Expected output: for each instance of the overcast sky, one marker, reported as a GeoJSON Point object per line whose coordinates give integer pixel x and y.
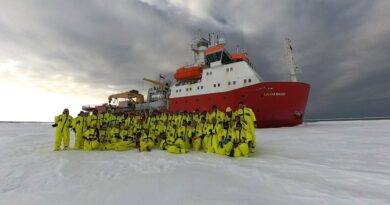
{"type": "Point", "coordinates": [68, 53]}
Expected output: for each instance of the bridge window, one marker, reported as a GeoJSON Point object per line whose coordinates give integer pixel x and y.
{"type": "Point", "coordinates": [226, 58]}
{"type": "Point", "coordinates": [214, 57]}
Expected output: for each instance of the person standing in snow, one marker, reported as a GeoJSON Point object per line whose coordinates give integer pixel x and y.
{"type": "Point", "coordinates": [79, 127]}
{"type": "Point", "coordinates": [63, 124]}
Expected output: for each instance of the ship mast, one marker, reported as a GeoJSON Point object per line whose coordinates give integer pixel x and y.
{"type": "Point", "coordinates": [293, 68]}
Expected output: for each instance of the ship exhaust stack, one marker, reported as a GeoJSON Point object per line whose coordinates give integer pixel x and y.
{"type": "Point", "coordinates": [293, 68]}
{"type": "Point", "coordinates": [199, 48]}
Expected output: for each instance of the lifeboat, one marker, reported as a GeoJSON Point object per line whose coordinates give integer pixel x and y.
{"type": "Point", "coordinates": [239, 56]}
{"type": "Point", "coordinates": [185, 73]}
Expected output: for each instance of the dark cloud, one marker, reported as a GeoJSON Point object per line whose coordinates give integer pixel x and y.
{"type": "Point", "coordinates": [341, 46]}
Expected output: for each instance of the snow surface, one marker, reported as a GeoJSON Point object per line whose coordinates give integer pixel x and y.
{"type": "Point", "coordinates": [317, 163]}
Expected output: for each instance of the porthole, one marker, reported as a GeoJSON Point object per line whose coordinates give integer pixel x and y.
{"type": "Point", "coordinates": [234, 82]}
{"type": "Point", "coordinates": [215, 85]}
{"type": "Point", "coordinates": [229, 83]}
{"type": "Point", "coordinates": [249, 80]}
{"type": "Point", "coordinates": [201, 87]}
{"type": "Point", "coordinates": [244, 80]}
{"type": "Point", "coordinates": [219, 84]}
{"type": "Point", "coordinates": [231, 69]}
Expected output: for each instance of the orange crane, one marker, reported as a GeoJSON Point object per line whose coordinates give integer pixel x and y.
{"type": "Point", "coordinates": [133, 96]}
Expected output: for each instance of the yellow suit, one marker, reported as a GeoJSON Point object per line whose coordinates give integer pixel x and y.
{"type": "Point", "coordinates": [80, 126]}
{"type": "Point", "coordinates": [63, 123]}
{"type": "Point", "coordinates": [91, 139]}
{"type": "Point", "coordinates": [210, 140]}
{"type": "Point", "coordinates": [146, 143]}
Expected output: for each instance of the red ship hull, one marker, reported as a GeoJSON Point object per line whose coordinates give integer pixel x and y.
{"type": "Point", "coordinates": [275, 104]}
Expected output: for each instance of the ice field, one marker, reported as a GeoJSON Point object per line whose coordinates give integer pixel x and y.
{"type": "Point", "coordinates": [344, 162]}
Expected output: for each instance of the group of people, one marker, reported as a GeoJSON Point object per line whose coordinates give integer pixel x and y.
{"type": "Point", "coordinates": [230, 133]}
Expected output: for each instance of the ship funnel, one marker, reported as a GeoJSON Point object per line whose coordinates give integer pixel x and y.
{"type": "Point", "coordinates": [199, 51]}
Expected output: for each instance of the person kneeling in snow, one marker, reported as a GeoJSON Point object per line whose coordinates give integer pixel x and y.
{"type": "Point", "coordinates": [91, 139]}
{"type": "Point", "coordinates": [173, 144]}
{"type": "Point", "coordinates": [225, 136]}
{"type": "Point", "coordinates": [125, 142]}
{"type": "Point", "coordinates": [104, 137]}
{"type": "Point", "coordinates": [114, 136]}
{"type": "Point", "coordinates": [240, 142]}
{"type": "Point", "coordinates": [146, 142]}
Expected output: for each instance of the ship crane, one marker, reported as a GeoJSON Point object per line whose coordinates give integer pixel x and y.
{"type": "Point", "coordinates": [293, 68]}
{"type": "Point", "coordinates": [160, 84]}
{"type": "Point", "coordinates": [133, 96]}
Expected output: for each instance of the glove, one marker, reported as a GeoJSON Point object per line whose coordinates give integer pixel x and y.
{"type": "Point", "coordinates": [54, 125]}
{"type": "Point", "coordinates": [226, 141]}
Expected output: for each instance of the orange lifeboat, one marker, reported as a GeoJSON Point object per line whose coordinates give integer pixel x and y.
{"type": "Point", "coordinates": [239, 56]}
{"type": "Point", "coordinates": [185, 73]}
